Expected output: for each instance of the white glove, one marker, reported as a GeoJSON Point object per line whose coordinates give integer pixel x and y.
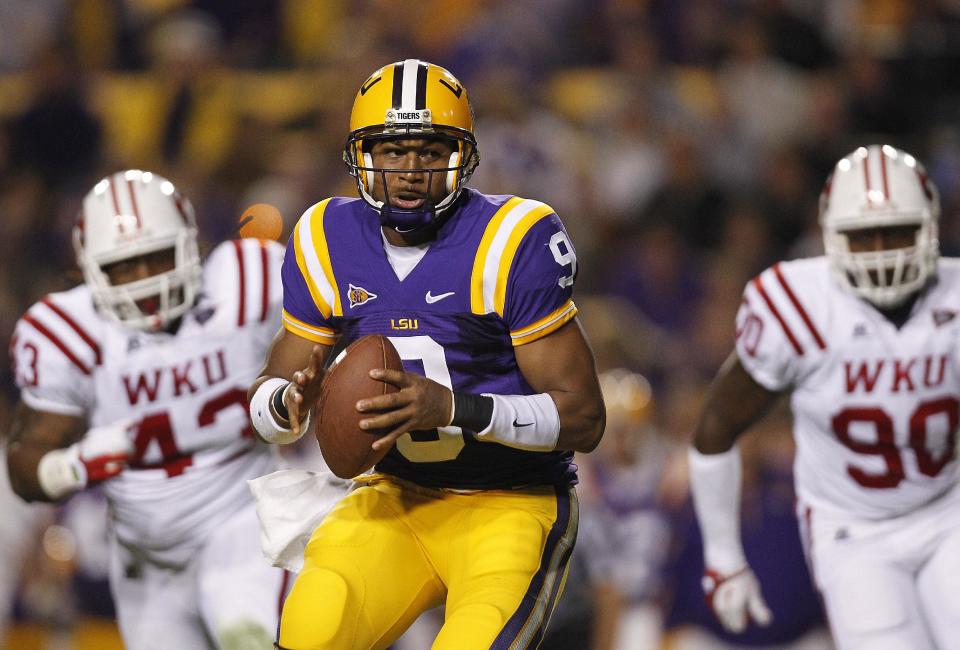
{"type": "Point", "coordinates": [736, 599]}
{"type": "Point", "coordinates": [101, 454]}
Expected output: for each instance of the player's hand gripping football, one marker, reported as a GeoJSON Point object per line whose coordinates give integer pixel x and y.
{"type": "Point", "coordinates": [420, 403]}
{"type": "Point", "coordinates": [736, 599]}
{"type": "Point", "coordinates": [304, 389]}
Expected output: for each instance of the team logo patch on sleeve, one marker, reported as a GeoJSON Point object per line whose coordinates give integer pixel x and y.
{"type": "Point", "coordinates": [359, 295]}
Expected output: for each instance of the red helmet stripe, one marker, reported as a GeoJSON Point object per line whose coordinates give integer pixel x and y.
{"type": "Point", "coordinates": [866, 175]}
{"type": "Point", "coordinates": [133, 201]}
{"type": "Point", "coordinates": [883, 173]}
{"type": "Point", "coordinates": [116, 203]}
{"type": "Point", "coordinates": [178, 201]}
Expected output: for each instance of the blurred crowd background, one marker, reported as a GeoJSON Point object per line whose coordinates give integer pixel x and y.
{"type": "Point", "coordinates": [683, 142]}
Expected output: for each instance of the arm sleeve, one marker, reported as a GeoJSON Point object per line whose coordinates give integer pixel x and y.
{"type": "Point", "coordinates": [715, 486]}
{"type": "Point", "coordinates": [540, 282]}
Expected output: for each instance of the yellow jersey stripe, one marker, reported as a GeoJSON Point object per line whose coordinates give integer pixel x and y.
{"type": "Point", "coordinates": [311, 332]}
{"type": "Point", "coordinates": [315, 292]}
{"type": "Point", "coordinates": [546, 325]}
{"type": "Point", "coordinates": [491, 251]}
{"type": "Point", "coordinates": [323, 255]}
{"type": "Point", "coordinates": [510, 250]}
{"type": "Point", "coordinates": [479, 262]}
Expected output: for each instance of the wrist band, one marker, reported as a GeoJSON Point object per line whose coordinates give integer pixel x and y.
{"type": "Point", "coordinates": [264, 421]}
{"type": "Point", "coordinates": [472, 412]}
{"type": "Point", "coordinates": [60, 472]}
{"type": "Point", "coordinates": [280, 410]}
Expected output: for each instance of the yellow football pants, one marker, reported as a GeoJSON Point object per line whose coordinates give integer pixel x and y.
{"type": "Point", "coordinates": [391, 550]}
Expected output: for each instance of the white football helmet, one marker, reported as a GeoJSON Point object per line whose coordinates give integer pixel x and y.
{"type": "Point", "coordinates": [126, 215]}
{"type": "Point", "coordinates": [873, 187]}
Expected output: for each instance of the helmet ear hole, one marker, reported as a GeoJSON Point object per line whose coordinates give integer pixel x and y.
{"type": "Point", "coordinates": [453, 174]}
{"type": "Point", "coordinates": [367, 174]}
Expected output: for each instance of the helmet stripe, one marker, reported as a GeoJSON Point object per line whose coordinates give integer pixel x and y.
{"type": "Point", "coordinates": [866, 177]}
{"type": "Point", "coordinates": [411, 68]}
{"type": "Point", "coordinates": [397, 85]}
{"type": "Point", "coordinates": [421, 86]}
{"type": "Point", "coordinates": [883, 174]}
{"type": "Point", "coordinates": [133, 201]}
{"type": "Point", "coordinates": [116, 201]}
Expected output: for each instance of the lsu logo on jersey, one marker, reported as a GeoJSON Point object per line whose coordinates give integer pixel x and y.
{"type": "Point", "coordinates": [359, 295]}
{"type": "Point", "coordinates": [404, 324]}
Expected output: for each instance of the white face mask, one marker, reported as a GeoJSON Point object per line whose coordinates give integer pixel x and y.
{"type": "Point", "coordinates": [886, 278]}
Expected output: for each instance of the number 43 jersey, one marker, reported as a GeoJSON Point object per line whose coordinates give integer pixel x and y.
{"type": "Point", "coordinates": [875, 408]}
{"type": "Point", "coordinates": [185, 394]}
{"type": "Point", "coordinates": [499, 274]}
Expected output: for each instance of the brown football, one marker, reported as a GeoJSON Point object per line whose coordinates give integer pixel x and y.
{"type": "Point", "coordinates": [346, 447]}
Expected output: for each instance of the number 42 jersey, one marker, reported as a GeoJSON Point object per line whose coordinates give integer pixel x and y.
{"type": "Point", "coordinates": [875, 408]}
{"type": "Point", "coordinates": [185, 394]}
{"type": "Point", "coordinates": [499, 274]}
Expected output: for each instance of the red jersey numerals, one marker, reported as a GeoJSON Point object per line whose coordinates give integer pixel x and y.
{"type": "Point", "coordinates": [929, 462]}
{"type": "Point", "coordinates": [156, 427]}
{"type": "Point", "coordinates": [749, 330]}
{"type": "Point", "coordinates": [26, 366]}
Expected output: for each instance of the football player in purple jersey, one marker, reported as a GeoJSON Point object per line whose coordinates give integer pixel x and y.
{"type": "Point", "coordinates": [473, 506]}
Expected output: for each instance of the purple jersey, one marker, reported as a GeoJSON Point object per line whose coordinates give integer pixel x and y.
{"type": "Point", "coordinates": [500, 274]}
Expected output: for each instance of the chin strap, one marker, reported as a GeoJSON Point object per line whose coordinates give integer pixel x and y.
{"type": "Point", "coordinates": [407, 220]}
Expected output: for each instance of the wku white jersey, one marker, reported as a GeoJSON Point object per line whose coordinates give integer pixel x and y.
{"type": "Point", "coordinates": [194, 448]}
{"type": "Point", "coordinates": [875, 408]}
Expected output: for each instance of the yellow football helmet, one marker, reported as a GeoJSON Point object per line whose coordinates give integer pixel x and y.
{"type": "Point", "coordinates": [411, 99]}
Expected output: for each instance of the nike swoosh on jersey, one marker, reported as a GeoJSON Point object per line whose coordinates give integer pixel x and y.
{"type": "Point", "coordinates": [432, 299]}
{"type": "Point", "coordinates": [517, 424]}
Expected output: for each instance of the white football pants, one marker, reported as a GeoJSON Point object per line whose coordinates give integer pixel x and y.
{"type": "Point", "coordinates": [890, 584]}
{"type": "Point", "coordinates": [227, 597]}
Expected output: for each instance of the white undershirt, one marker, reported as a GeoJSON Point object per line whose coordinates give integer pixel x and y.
{"type": "Point", "coordinates": [403, 259]}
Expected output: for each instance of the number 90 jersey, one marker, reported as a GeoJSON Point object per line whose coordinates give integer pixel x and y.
{"type": "Point", "coordinates": [875, 408]}
{"type": "Point", "coordinates": [499, 274]}
{"type": "Point", "coordinates": [185, 393]}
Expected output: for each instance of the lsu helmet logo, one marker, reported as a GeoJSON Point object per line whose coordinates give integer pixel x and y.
{"type": "Point", "coordinates": [359, 295]}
